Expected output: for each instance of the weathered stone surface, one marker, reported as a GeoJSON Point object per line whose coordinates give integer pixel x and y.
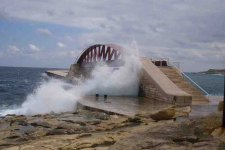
{"type": "Point", "coordinates": [13, 148]}
{"type": "Point", "coordinates": [97, 130]}
{"type": "Point", "coordinates": [41, 124]}
{"type": "Point", "coordinates": [57, 132]}
{"type": "Point", "coordinates": [136, 120]}
{"type": "Point", "coordinates": [219, 132]}
{"type": "Point", "coordinates": [166, 135]}
{"type": "Point", "coordinates": [191, 138]}
{"type": "Point", "coordinates": [101, 116]}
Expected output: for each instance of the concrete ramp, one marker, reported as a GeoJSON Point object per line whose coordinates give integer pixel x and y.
{"type": "Point", "coordinates": [154, 84]}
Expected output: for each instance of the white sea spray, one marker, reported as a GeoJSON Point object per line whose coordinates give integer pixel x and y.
{"type": "Point", "coordinates": [57, 96]}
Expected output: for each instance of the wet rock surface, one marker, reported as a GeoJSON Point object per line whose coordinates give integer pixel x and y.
{"type": "Point", "coordinates": [91, 130]}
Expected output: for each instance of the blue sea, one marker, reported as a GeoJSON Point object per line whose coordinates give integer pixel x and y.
{"type": "Point", "coordinates": [213, 84]}
{"type": "Point", "coordinates": [18, 82]}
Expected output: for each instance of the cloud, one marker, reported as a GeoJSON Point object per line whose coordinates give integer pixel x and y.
{"type": "Point", "coordinates": [60, 44]}
{"type": "Point", "coordinates": [44, 31]}
{"type": "Point", "coordinates": [177, 29]}
{"type": "Point", "coordinates": [218, 46]}
{"type": "Point", "coordinates": [12, 49]}
{"type": "Point", "coordinates": [67, 54]}
{"type": "Point", "coordinates": [33, 48]}
{"type": "Point", "coordinates": [68, 38]}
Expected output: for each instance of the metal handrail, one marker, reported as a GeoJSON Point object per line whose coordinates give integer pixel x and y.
{"type": "Point", "coordinates": [182, 73]}
{"type": "Point", "coordinates": [206, 93]}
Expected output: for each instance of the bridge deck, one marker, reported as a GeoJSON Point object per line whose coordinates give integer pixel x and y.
{"type": "Point", "coordinates": [129, 106]}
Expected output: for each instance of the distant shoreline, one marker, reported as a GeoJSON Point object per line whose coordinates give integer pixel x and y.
{"type": "Point", "coordinates": [214, 71]}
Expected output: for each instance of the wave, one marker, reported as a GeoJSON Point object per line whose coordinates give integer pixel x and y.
{"type": "Point", "coordinates": [57, 96]}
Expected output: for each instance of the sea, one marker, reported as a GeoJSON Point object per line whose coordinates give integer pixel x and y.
{"type": "Point", "coordinates": [16, 83]}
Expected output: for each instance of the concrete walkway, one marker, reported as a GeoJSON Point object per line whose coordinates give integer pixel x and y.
{"type": "Point", "coordinates": [128, 106]}
{"type": "Point", "coordinates": [57, 73]}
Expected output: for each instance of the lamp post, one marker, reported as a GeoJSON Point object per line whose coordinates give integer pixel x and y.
{"type": "Point", "coordinates": [223, 125]}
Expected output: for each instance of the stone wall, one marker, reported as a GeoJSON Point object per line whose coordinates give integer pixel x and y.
{"type": "Point", "coordinates": [149, 90]}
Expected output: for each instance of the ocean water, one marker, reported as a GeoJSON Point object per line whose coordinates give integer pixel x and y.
{"type": "Point", "coordinates": [16, 83]}
{"type": "Point", "coordinates": [214, 85]}
{"type": "Point", "coordinates": [211, 83]}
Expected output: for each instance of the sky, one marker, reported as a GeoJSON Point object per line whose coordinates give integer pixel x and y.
{"type": "Point", "coordinates": [50, 33]}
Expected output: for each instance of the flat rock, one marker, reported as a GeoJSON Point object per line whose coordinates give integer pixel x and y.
{"type": "Point", "coordinates": [57, 132]}
{"type": "Point", "coordinates": [191, 139]}
{"type": "Point", "coordinates": [41, 123]}
{"type": "Point", "coordinates": [97, 130]}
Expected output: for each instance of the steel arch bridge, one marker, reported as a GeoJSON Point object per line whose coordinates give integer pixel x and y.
{"type": "Point", "coordinates": [107, 53]}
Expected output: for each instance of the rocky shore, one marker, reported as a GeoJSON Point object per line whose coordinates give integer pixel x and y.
{"type": "Point", "coordinates": [90, 129]}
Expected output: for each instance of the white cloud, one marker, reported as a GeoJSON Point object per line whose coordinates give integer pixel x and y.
{"type": "Point", "coordinates": [44, 31]}
{"type": "Point", "coordinates": [218, 46]}
{"type": "Point", "coordinates": [60, 44]}
{"type": "Point", "coordinates": [68, 38]}
{"type": "Point", "coordinates": [182, 29]}
{"type": "Point", "coordinates": [13, 49]}
{"type": "Point", "coordinates": [68, 54]}
{"type": "Point", "coordinates": [33, 48]}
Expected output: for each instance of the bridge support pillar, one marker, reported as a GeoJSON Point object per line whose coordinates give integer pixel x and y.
{"type": "Point", "coordinates": [77, 71]}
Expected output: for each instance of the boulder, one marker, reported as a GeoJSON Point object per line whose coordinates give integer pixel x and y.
{"type": "Point", "coordinates": [102, 116]}
{"type": "Point", "coordinates": [219, 132]}
{"type": "Point", "coordinates": [166, 114]}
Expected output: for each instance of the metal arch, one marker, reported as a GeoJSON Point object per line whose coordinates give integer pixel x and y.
{"type": "Point", "coordinates": [100, 52]}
